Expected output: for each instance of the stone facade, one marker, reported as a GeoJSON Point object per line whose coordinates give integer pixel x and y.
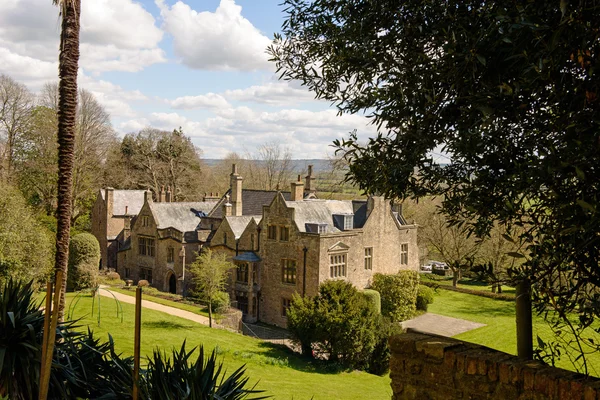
{"type": "Point", "coordinates": [162, 242]}
{"type": "Point", "coordinates": [294, 245]}
{"type": "Point", "coordinates": [111, 211]}
{"type": "Point", "coordinates": [431, 367]}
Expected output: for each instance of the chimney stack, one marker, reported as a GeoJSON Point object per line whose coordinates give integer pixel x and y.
{"type": "Point", "coordinates": [227, 207]}
{"type": "Point", "coordinates": [236, 191]}
{"type": "Point", "coordinates": [168, 195]}
{"type": "Point", "coordinates": [310, 187]}
{"type": "Point", "coordinates": [297, 190]}
{"type": "Point", "coordinates": [126, 226]}
{"type": "Point", "coordinates": [161, 194]}
{"type": "Point", "coordinates": [148, 196]}
{"type": "Point", "coordinates": [109, 199]}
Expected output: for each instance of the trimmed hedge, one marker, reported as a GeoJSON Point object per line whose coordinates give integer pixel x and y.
{"type": "Point", "coordinates": [490, 295]}
{"type": "Point", "coordinates": [398, 294]}
{"type": "Point", "coordinates": [84, 261]}
{"type": "Point", "coordinates": [374, 298]}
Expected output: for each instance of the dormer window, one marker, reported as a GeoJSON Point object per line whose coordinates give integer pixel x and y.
{"type": "Point", "coordinates": [315, 228]}
{"type": "Point", "coordinates": [344, 222]}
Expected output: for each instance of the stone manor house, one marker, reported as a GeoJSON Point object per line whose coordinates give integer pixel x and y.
{"type": "Point", "coordinates": [280, 242]}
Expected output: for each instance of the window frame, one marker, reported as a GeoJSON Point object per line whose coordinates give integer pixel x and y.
{"type": "Point", "coordinates": [403, 253]}
{"type": "Point", "coordinates": [289, 271]}
{"type": "Point", "coordinates": [284, 233]}
{"type": "Point", "coordinates": [369, 258]}
{"type": "Point", "coordinates": [338, 265]}
{"type": "Point", "coordinates": [146, 274]}
{"type": "Point", "coordinates": [241, 270]}
{"type": "Point", "coordinates": [272, 232]}
{"type": "Point", "coordinates": [146, 246]}
{"type": "Point", "coordinates": [170, 254]}
{"type": "Point", "coordinates": [285, 305]}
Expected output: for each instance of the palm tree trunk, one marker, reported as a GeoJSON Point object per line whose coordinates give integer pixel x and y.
{"type": "Point", "coordinates": [67, 112]}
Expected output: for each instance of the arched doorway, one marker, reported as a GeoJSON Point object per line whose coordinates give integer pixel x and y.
{"type": "Point", "coordinates": [172, 284]}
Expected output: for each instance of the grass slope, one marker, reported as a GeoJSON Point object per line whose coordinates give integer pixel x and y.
{"type": "Point", "coordinates": [499, 316]}
{"type": "Point", "coordinates": [277, 370]}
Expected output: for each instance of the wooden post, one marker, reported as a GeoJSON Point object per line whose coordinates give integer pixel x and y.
{"type": "Point", "coordinates": [524, 320]}
{"type": "Point", "coordinates": [51, 337]}
{"type": "Point", "coordinates": [136, 343]}
{"type": "Point", "coordinates": [47, 313]}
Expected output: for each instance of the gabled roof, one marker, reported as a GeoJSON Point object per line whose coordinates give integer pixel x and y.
{"type": "Point", "coordinates": [179, 215]}
{"type": "Point", "coordinates": [248, 256]}
{"type": "Point", "coordinates": [252, 202]}
{"type": "Point", "coordinates": [313, 211]}
{"type": "Point", "coordinates": [238, 224]}
{"type": "Point", "coordinates": [132, 199]}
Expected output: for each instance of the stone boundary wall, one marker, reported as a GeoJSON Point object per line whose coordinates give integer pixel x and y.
{"type": "Point", "coordinates": [425, 366]}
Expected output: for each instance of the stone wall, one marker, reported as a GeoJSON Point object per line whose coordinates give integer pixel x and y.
{"type": "Point", "coordinates": [433, 367]}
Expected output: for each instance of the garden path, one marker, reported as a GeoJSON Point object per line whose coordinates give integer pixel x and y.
{"type": "Point", "coordinates": [158, 307]}
{"type": "Point", "coordinates": [440, 325]}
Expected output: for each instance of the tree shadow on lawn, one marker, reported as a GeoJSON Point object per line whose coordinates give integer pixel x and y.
{"type": "Point", "coordinates": [164, 324]}
{"type": "Point", "coordinates": [300, 362]}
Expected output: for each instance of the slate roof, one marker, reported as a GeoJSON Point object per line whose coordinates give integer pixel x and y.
{"type": "Point", "coordinates": [248, 256]}
{"type": "Point", "coordinates": [133, 199]}
{"type": "Point", "coordinates": [179, 215]}
{"type": "Point", "coordinates": [315, 211]}
{"type": "Point", "coordinates": [252, 201]}
{"type": "Point", "coordinates": [239, 224]}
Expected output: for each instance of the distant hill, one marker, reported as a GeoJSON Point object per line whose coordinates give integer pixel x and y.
{"type": "Point", "coordinates": [297, 165]}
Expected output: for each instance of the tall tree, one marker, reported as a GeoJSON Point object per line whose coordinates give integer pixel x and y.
{"type": "Point", "coordinates": [16, 103]}
{"type": "Point", "coordinates": [507, 89]}
{"type": "Point", "coordinates": [209, 274]}
{"type": "Point", "coordinates": [67, 120]}
{"type": "Point", "coordinates": [155, 159]}
{"type": "Point", "coordinates": [270, 167]}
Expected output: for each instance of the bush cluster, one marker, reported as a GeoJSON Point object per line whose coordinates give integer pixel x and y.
{"type": "Point", "coordinates": [424, 297]}
{"type": "Point", "coordinates": [344, 325]}
{"type": "Point", "coordinates": [398, 294]}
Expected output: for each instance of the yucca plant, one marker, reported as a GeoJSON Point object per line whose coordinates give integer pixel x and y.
{"type": "Point", "coordinates": [175, 377]}
{"type": "Point", "coordinates": [21, 323]}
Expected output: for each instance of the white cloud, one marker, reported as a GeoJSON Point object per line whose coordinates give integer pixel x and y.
{"type": "Point", "coordinates": [272, 93]}
{"type": "Point", "coordinates": [223, 40]}
{"type": "Point", "coordinates": [116, 35]}
{"type": "Point", "coordinates": [209, 101]}
{"type": "Point", "coordinates": [26, 69]}
{"type": "Point", "coordinates": [308, 134]}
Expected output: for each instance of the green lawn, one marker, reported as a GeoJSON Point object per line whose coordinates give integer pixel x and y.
{"type": "Point", "coordinates": [277, 370]}
{"type": "Point", "coordinates": [465, 283]}
{"type": "Point", "coordinates": [196, 309]}
{"type": "Point", "coordinates": [499, 316]}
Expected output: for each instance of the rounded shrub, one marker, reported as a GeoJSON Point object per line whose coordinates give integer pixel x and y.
{"type": "Point", "coordinates": [113, 276]}
{"type": "Point", "coordinates": [143, 283]}
{"type": "Point", "coordinates": [424, 297]}
{"type": "Point", "coordinates": [374, 298]}
{"type": "Point", "coordinates": [84, 260]}
{"type": "Point", "coordinates": [220, 303]}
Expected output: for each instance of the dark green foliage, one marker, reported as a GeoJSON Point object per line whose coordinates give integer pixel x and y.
{"type": "Point", "coordinates": [302, 322]}
{"type": "Point", "coordinates": [85, 367]}
{"type": "Point", "coordinates": [507, 90]}
{"type": "Point", "coordinates": [379, 360]}
{"type": "Point", "coordinates": [220, 302]}
{"type": "Point", "coordinates": [84, 260]}
{"type": "Point", "coordinates": [176, 377]}
{"type": "Point", "coordinates": [339, 321]}
{"type": "Point", "coordinates": [424, 297]}
{"type": "Point", "coordinates": [21, 323]}
{"type": "Point", "coordinates": [374, 298]}
{"type": "Point", "coordinates": [398, 294]}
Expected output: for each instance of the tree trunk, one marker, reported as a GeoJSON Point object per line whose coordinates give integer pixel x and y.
{"type": "Point", "coordinates": [494, 287]}
{"type": "Point", "coordinates": [455, 277]}
{"type": "Point", "coordinates": [67, 111]}
{"type": "Point", "coordinates": [499, 288]}
{"type": "Point", "coordinates": [209, 313]}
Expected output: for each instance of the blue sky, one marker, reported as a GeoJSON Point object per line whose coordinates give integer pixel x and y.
{"type": "Point", "coordinates": [198, 64]}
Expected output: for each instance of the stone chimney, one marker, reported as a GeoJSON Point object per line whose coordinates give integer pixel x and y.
{"type": "Point", "coordinates": [227, 207]}
{"type": "Point", "coordinates": [297, 190]}
{"type": "Point", "coordinates": [211, 197]}
{"type": "Point", "coordinates": [310, 181]}
{"type": "Point", "coordinates": [109, 199]}
{"type": "Point", "coordinates": [148, 196]}
{"type": "Point", "coordinates": [126, 226]}
{"type": "Point", "coordinates": [168, 198]}
{"type": "Point", "coordinates": [161, 194]}
{"type": "Point", "coordinates": [236, 191]}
